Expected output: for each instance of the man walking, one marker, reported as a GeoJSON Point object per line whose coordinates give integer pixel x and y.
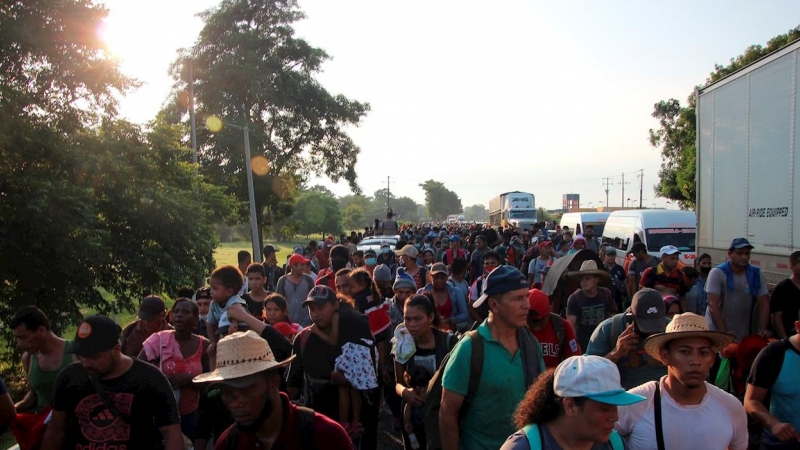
{"type": "Point", "coordinates": [512, 360]}
{"type": "Point", "coordinates": [111, 400]}
{"type": "Point", "coordinates": [682, 410]}
{"type": "Point", "coordinates": [152, 318]}
{"type": "Point", "coordinates": [641, 261]}
{"type": "Point", "coordinates": [295, 287]}
{"type": "Point", "coordinates": [666, 277]}
{"type": "Point", "coordinates": [590, 305]}
{"type": "Point", "coordinates": [785, 302]}
{"type": "Point", "coordinates": [735, 288]}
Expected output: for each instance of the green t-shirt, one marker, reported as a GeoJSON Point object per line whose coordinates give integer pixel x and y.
{"type": "Point", "coordinates": [488, 422]}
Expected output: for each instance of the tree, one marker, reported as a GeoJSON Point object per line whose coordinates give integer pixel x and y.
{"type": "Point", "coordinates": [88, 205]}
{"type": "Point", "coordinates": [440, 201]}
{"type": "Point", "coordinates": [250, 69]}
{"type": "Point", "coordinates": [354, 218]}
{"type": "Point", "coordinates": [317, 212]}
{"type": "Point", "coordinates": [676, 135]}
{"type": "Point", "coordinates": [406, 209]}
{"type": "Point", "coordinates": [476, 213]}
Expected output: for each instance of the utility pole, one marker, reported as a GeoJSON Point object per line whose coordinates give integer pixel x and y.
{"type": "Point", "coordinates": [388, 193]}
{"type": "Point", "coordinates": [641, 182]}
{"type": "Point", "coordinates": [623, 183]}
{"type": "Point", "coordinates": [192, 121]}
{"type": "Point", "coordinates": [607, 181]}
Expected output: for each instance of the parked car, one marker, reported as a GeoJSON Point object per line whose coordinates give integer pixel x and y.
{"type": "Point", "coordinates": [375, 243]}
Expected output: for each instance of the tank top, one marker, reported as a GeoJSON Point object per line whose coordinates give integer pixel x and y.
{"type": "Point", "coordinates": [43, 380]}
{"type": "Point", "coordinates": [190, 396]}
{"type": "Point", "coordinates": [446, 309]}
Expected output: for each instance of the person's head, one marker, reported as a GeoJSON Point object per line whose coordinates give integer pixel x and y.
{"type": "Point", "coordinates": [691, 275]}
{"type": "Point", "coordinates": [419, 315]}
{"type": "Point", "coordinates": [248, 377]}
{"type": "Point", "coordinates": [185, 291]}
{"type": "Point", "coordinates": [648, 312]}
{"type": "Point", "coordinates": [610, 256]}
{"type": "Point", "coordinates": [670, 256]}
{"type": "Point", "coordinates": [276, 309]}
{"type": "Point", "coordinates": [97, 345]}
{"type": "Point", "coordinates": [327, 245]}
{"type": "Point", "coordinates": [794, 263]}
{"type": "Point", "coordinates": [256, 276]}
{"type": "Point", "coordinates": [383, 278]}
{"type": "Point", "coordinates": [579, 243]}
{"type": "Point", "coordinates": [270, 255]}
{"type": "Point", "coordinates": [342, 282]}
{"type": "Point", "coordinates": [358, 258]}
{"type": "Point", "coordinates": [581, 396]}
{"type": "Point", "coordinates": [539, 309]}
{"type": "Point", "coordinates": [480, 242]}
{"type": "Point", "coordinates": [491, 261]}
{"type": "Point", "coordinates": [339, 257]}
{"type": "Point", "coordinates": [408, 254]}
{"type": "Point", "coordinates": [185, 315]}
{"type": "Point", "coordinates": [152, 312]}
{"type": "Point", "coordinates": [244, 259]}
{"type": "Point", "coordinates": [506, 294]}
{"type": "Point", "coordinates": [321, 302]}
{"type": "Point", "coordinates": [360, 279]}
{"type": "Point", "coordinates": [507, 237]}
{"type": "Point", "coordinates": [588, 231]}
{"type": "Point", "coordinates": [370, 258]}
{"type": "Point", "coordinates": [385, 248]}
{"type": "Point", "coordinates": [31, 328]}
{"type": "Point", "coordinates": [566, 236]}
{"type": "Point", "coordinates": [458, 267]}
{"type": "Point", "coordinates": [672, 306]}
{"type": "Point", "coordinates": [313, 245]}
{"type": "Point", "coordinates": [439, 276]}
{"type": "Point", "coordinates": [417, 379]}
{"type": "Point", "coordinates": [203, 299]}
{"type": "Point", "coordinates": [687, 348]}
{"type": "Point", "coordinates": [639, 251]}
{"type": "Point", "coordinates": [297, 264]}
{"type": "Point", "coordinates": [225, 282]}
{"type": "Point", "coordinates": [703, 264]}
{"type": "Point", "coordinates": [455, 242]}
{"type": "Point", "coordinates": [739, 253]}
{"type": "Point", "coordinates": [589, 275]}
{"type": "Point", "coordinates": [404, 286]}
{"type": "Point", "coordinates": [545, 249]}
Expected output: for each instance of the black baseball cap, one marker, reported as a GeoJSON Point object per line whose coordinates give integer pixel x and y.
{"type": "Point", "coordinates": [95, 334]}
{"type": "Point", "coordinates": [319, 295]}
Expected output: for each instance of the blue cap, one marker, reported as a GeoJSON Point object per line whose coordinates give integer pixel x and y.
{"type": "Point", "coordinates": [738, 243]}
{"type": "Point", "coordinates": [502, 279]}
{"type": "Point", "coordinates": [455, 238]}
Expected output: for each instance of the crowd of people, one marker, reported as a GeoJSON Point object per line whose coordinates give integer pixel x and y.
{"type": "Point", "coordinates": [451, 329]}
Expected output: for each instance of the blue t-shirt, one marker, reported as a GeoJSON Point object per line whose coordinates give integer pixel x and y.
{"type": "Point", "coordinates": [775, 369]}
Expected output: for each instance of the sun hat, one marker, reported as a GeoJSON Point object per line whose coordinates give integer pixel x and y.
{"type": "Point", "coordinates": [686, 325]}
{"type": "Point", "coordinates": [649, 311]}
{"type": "Point", "coordinates": [502, 279]}
{"type": "Point", "coordinates": [382, 273]}
{"type": "Point", "coordinates": [298, 259]}
{"type": "Point", "coordinates": [241, 354]}
{"type": "Point", "coordinates": [439, 268]}
{"type": "Point", "coordinates": [593, 377]}
{"type": "Point", "coordinates": [320, 294]}
{"type": "Point", "coordinates": [409, 250]}
{"type": "Point", "coordinates": [95, 334]}
{"type": "Point", "coordinates": [738, 243]}
{"type": "Point", "coordinates": [151, 308]}
{"type": "Point", "coordinates": [589, 267]}
{"type": "Point", "coordinates": [539, 304]}
{"type": "Point", "coordinates": [669, 250]}
{"type": "Point", "coordinates": [404, 280]}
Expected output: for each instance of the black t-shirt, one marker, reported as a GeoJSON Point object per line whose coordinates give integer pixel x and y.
{"type": "Point", "coordinates": [142, 394]}
{"type": "Point", "coordinates": [281, 347]}
{"type": "Point", "coordinates": [786, 300]}
{"type": "Point", "coordinates": [255, 308]}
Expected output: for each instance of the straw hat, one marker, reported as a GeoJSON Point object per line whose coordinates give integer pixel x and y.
{"type": "Point", "coordinates": [589, 267]}
{"type": "Point", "coordinates": [239, 355]}
{"type": "Point", "coordinates": [686, 325]}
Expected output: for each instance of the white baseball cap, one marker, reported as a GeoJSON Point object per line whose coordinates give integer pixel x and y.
{"type": "Point", "coordinates": [593, 377]}
{"type": "Point", "coordinates": [669, 250]}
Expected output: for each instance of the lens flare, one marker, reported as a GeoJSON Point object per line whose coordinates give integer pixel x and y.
{"type": "Point", "coordinates": [283, 186]}
{"type": "Point", "coordinates": [214, 124]}
{"type": "Point", "coordinates": [260, 165]}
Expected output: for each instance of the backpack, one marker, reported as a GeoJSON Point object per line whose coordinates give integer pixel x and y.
{"type": "Point", "coordinates": [430, 411]}
{"type": "Point", "coordinates": [536, 439]}
{"type": "Point", "coordinates": [305, 428]}
{"type": "Point", "coordinates": [560, 328]}
{"type": "Point", "coordinates": [531, 254]}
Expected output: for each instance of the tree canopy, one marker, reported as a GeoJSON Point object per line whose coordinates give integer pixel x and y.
{"type": "Point", "coordinates": [676, 135]}
{"type": "Point", "coordinates": [89, 205]}
{"type": "Point", "coordinates": [250, 69]}
{"type": "Point", "coordinates": [440, 201]}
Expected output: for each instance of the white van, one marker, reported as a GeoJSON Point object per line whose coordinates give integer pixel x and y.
{"type": "Point", "coordinates": [577, 221]}
{"type": "Point", "coordinates": [656, 228]}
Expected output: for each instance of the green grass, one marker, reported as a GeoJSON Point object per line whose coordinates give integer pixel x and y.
{"type": "Point", "coordinates": [227, 252]}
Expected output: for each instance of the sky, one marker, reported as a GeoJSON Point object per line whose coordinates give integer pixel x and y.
{"type": "Point", "coordinates": [542, 97]}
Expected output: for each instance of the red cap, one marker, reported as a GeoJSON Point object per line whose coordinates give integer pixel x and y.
{"type": "Point", "coordinates": [539, 303]}
{"type": "Point", "coordinates": [285, 329]}
{"type": "Point", "coordinates": [297, 259]}
{"type": "Point", "coordinates": [543, 244]}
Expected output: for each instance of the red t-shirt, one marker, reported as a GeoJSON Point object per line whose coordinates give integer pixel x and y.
{"type": "Point", "coordinates": [552, 353]}
{"type": "Point", "coordinates": [327, 433]}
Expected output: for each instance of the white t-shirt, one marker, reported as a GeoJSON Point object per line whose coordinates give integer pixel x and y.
{"type": "Point", "coordinates": [718, 422]}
